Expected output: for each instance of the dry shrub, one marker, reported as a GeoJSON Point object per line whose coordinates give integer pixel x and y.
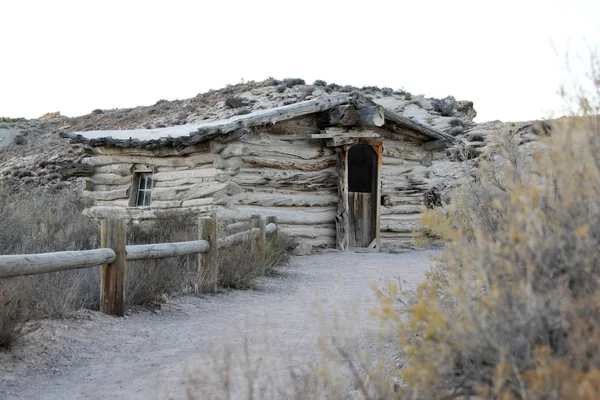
{"type": "Point", "coordinates": [37, 222]}
{"type": "Point", "coordinates": [148, 280]}
{"type": "Point", "coordinates": [512, 309]}
{"type": "Point", "coordinates": [239, 265]}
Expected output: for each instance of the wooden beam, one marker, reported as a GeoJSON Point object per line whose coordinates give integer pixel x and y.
{"type": "Point", "coordinates": [342, 226]}
{"type": "Point", "coordinates": [237, 238]}
{"type": "Point", "coordinates": [33, 264]}
{"type": "Point", "coordinates": [371, 116]}
{"type": "Point", "coordinates": [344, 115]}
{"type": "Point", "coordinates": [333, 133]}
{"type": "Point", "coordinates": [112, 275]}
{"type": "Point", "coordinates": [165, 250]}
{"type": "Point", "coordinates": [336, 142]}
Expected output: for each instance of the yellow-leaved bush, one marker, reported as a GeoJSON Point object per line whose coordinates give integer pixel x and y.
{"type": "Point", "coordinates": [511, 309]}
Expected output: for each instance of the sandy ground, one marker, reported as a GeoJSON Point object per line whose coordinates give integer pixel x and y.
{"type": "Point", "coordinates": [193, 342]}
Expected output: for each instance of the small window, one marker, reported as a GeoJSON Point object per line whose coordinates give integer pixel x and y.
{"type": "Point", "coordinates": [144, 189]}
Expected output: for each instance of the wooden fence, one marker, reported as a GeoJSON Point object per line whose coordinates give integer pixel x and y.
{"type": "Point", "coordinates": [114, 254]}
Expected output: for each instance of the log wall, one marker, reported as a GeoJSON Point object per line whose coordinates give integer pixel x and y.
{"type": "Point", "coordinates": [277, 170]}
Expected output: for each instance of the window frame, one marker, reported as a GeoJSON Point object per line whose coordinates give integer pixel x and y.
{"type": "Point", "coordinates": [141, 177]}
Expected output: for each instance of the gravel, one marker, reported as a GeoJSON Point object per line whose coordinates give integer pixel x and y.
{"type": "Point", "coordinates": [194, 343]}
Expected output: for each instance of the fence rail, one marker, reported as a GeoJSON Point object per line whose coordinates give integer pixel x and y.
{"type": "Point", "coordinates": [114, 254]}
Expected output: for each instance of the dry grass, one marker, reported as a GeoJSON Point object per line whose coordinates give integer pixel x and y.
{"type": "Point", "coordinates": [512, 310]}
{"type": "Point", "coordinates": [149, 281]}
{"type": "Point", "coordinates": [239, 265]}
{"type": "Point", "coordinates": [38, 222]}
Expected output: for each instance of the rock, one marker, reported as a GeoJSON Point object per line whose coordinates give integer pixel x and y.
{"type": "Point", "coordinates": [303, 249]}
{"type": "Point", "coordinates": [466, 107]}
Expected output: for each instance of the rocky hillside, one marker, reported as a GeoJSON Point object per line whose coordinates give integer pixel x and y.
{"type": "Point", "coordinates": [36, 153]}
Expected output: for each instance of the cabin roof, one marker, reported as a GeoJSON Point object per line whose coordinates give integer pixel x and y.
{"type": "Point", "coordinates": [190, 134]}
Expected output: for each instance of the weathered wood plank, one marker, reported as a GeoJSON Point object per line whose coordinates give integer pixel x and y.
{"type": "Point", "coordinates": [191, 173]}
{"type": "Point", "coordinates": [301, 199]}
{"type": "Point", "coordinates": [238, 238]}
{"type": "Point", "coordinates": [286, 163]}
{"type": "Point", "coordinates": [371, 116]}
{"type": "Point", "coordinates": [286, 215]}
{"type": "Point", "coordinates": [110, 179]}
{"type": "Point", "coordinates": [135, 213]}
{"type": "Point", "coordinates": [165, 250]}
{"type": "Point", "coordinates": [113, 235]}
{"type": "Point", "coordinates": [183, 182]}
{"type": "Point", "coordinates": [42, 263]}
{"type": "Point", "coordinates": [108, 195]}
{"type": "Point", "coordinates": [341, 216]}
{"type": "Point", "coordinates": [187, 161]}
{"type": "Point", "coordinates": [299, 150]}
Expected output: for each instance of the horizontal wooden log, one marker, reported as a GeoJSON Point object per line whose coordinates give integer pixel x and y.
{"type": "Point", "coordinates": [398, 225]}
{"type": "Point", "coordinates": [187, 193]}
{"type": "Point", "coordinates": [321, 241]}
{"type": "Point", "coordinates": [285, 179]}
{"type": "Point", "coordinates": [286, 163]}
{"type": "Point", "coordinates": [108, 195]}
{"type": "Point", "coordinates": [197, 202]}
{"type": "Point", "coordinates": [123, 169]}
{"type": "Point", "coordinates": [191, 173]}
{"type": "Point", "coordinates": [308, 231]}
{"type": "Point", "coordinates": [285, 215]}
{"type": "Point", "coordinates": [340, 141]}
{"type": "Point", "coordinates": [344, 115]}
{"type": "Point", "coordinates": [237, 238]}
{"type": "Point", "coordinates": [156, 152]}
{"type": "Point", "coordinates": [371, 116]}
{"type": "Point", "coordinates": [183, 182]}
{"type": "Point", "coordinates": [110, 179]}
{"type": "Point", "coordinates": [188, 161]}
{"type": "Point", "coordinates": [297, 150]}
{"type": "Point", "coordinates": [32, 264]}
{"type": "Point", "coordinates": [165, 250]}
{"type": "Point", "coordinates": [402, 209]}
{"type": "Point", "coordinates": [136, 213]}
{"type": "Point", "coordinates": [300, 199]}
{"type": "Point", "coordinates": [333, 133]}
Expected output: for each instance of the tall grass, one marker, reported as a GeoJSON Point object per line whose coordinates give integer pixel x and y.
{"type": "Point", "coordinates": [38, 221]}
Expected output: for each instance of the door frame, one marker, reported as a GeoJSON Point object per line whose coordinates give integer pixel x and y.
{"type": "Point", "coordinates": [342, 221]}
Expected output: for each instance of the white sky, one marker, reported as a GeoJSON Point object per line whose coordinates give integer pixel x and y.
{"type": "Point", "coordinates": [75, 56]}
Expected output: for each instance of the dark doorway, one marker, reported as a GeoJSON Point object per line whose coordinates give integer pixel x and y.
{"type": "Point", "coordinates": [363, 185]}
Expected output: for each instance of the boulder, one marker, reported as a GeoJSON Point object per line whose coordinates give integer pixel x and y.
{"type": "Point", "coordinates": [303, 249]}
{"type": "Point", "coordinates": [466, 107]}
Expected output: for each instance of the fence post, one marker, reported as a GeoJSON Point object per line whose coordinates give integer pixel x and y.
{"type": "Point", "coordinates": [259, 222]}
{"type": "Point", "coordinates": [113, 235]}
{"type": "Point", "coordinates": [208, 272]}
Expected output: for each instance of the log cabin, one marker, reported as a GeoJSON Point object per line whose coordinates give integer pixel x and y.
{"type": "Point", "coordinates": [337, 170]}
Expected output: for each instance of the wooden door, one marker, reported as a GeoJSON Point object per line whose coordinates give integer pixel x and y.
{"type": "Point", "coordinates": [364, 162]}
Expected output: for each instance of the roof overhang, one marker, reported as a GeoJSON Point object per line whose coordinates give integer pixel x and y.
{"type": "Point", "coordinates": [367, 112]}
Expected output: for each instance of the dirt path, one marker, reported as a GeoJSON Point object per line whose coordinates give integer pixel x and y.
{"type": "Point", "coordinates": [151, 355]}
